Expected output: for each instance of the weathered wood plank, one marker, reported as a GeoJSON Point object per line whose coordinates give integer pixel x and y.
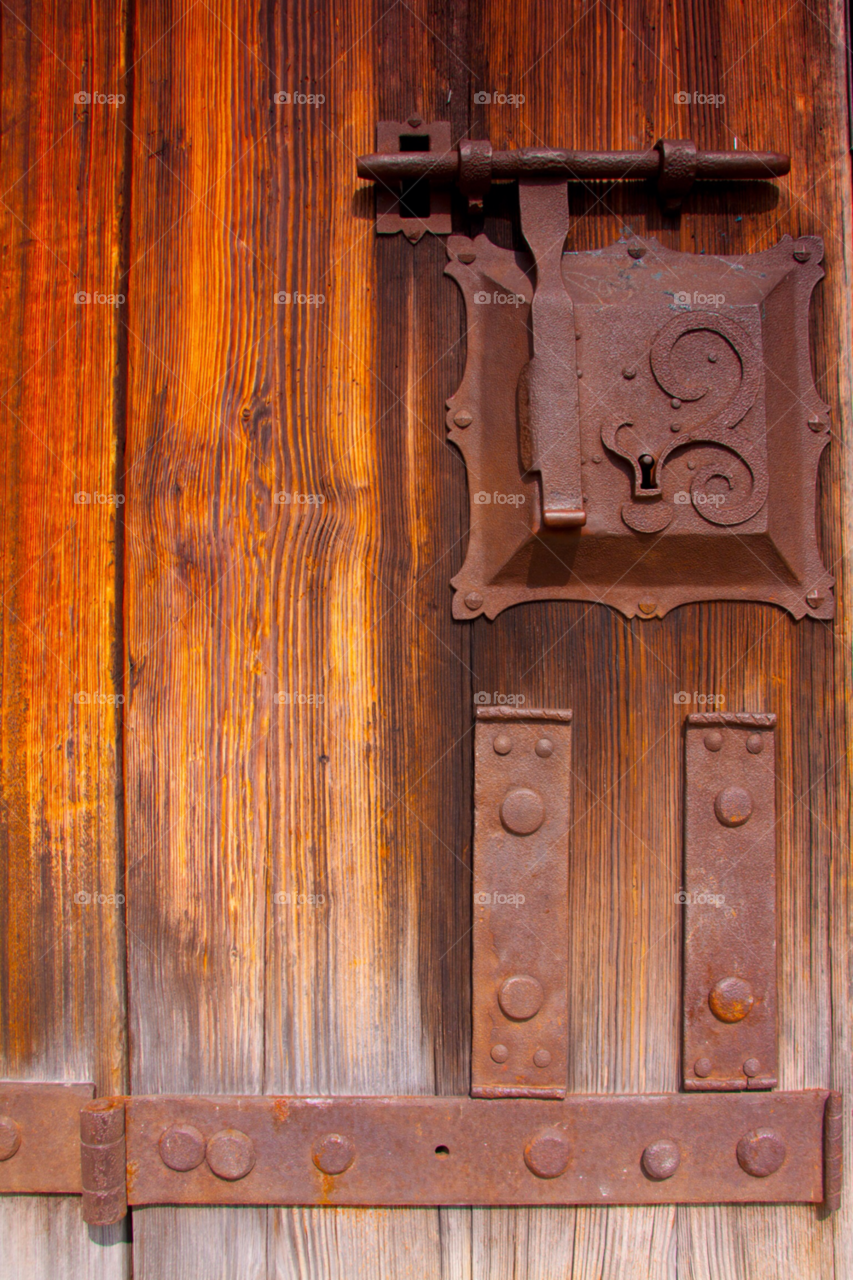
{"type": "Point", "coordinates": [201, 476]}
{"type": "Point", "coordinates": [62, 175]}
{"type": "Point", "coordinates": [367, 991]}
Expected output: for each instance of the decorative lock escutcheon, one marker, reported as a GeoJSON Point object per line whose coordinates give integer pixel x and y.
{"type": "Point", "coordinates": [640, 426]}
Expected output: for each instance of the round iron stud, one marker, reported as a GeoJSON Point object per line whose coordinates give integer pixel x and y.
{"type": "Point", "coordinates": [761, 1153]}
{"type": "Point", "coordinates": [547, 1155]}
{"type": "Point", "coordinates": [182, 1147]}
{"type": "Point", "coordinates": [334, 1153]}
{"type": "Point", "coordinates": [661, 1159]}
{"type": "Point", "coordinates": [230, 1154]}
{"type": "Point", "coordinates": [521, 997]}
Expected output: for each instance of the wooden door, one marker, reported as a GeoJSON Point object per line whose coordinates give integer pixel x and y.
{"type": "Point", "coordinates": [241, 863]}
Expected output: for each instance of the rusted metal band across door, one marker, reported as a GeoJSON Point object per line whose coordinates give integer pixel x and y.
{"type": "Point", "coordinates": [730, 902]}
{"type": "Point", "coordinates": [652, 1149]}
{"type": "Point", "coordinates": [521, 883]}
{"type": "Point", "coordinates": [460, 1151]}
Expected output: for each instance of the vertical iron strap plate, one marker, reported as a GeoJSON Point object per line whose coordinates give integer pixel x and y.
{"type": "Point", "coordinates": [521, 835]}
{"type": "Point", "coordinates": [40, 1137]}
{"type": "Point", "coordinates": [729, 899]}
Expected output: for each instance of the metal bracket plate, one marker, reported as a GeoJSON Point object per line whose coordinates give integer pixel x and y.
{"type": "Point", "coordinates": [684, 365]}
{"type": "Point", "coordinates": [40, 1137]}
{"type": "Point", "coordinates": [729, 902]}
{"type": "Point", "coordinates": [521, 890]}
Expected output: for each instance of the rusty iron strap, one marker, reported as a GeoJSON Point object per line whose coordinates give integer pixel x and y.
{"type": "Point", "coordinates": [729, 902]}
{"type": "Point", "coordinates": [521, 887]}
{"type": "Point", "coordinates": [654, 1149]}
{"type": "Point", "coordinates": [675, 1148]}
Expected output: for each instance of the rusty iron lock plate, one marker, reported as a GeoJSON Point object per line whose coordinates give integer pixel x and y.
{"type": "Point", "coordinates": [660, 442]}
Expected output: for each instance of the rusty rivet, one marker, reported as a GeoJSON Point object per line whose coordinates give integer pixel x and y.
{"type": "Point", "coordinates": [637, 250]}
{"type": "Point", "coordinates": [815, 422]}
{"type": "Point", "coordinates": [503, 744]}
{"type": "Point", "coordinates": [675, 426]}
{"type": "Point", "coordinates": [542, 1058]}
{"type": "Point", "coordinates": [702, 1067]}
{"type": "Point", "coordinates": [596, 457]}
{"type": "Point", "coordinates": [733, 806]}
{"type": "Point", "coordinates": [647, 606]}
{"type": "Point", "coordinates": [713, 740]}
{"type": "Point", "coordinates": [522, 811]}
{"type": "Point", "coordinates": [755, 744]}
{"type": "Point", "coordinates": [675, 402]}
{"type": "Point", "coordinates": [463, 418]}
{"type": "Point", "coordinates": [521, 997]}
{"type": "Point", "coordinates": [802, 253]}
{"type": "Point", "coordinates": [500, 1053]}
{"type": "Point", "coordinates": [10, 1137]}
{"type": "Point", "coordinates": [413, 234]}
{"type": "Point", "coordinates": [547, 1155]}
{"type": "Point", "coordinates": [580, 373]}
{"type": "Point", "coordinates": [712, 357]}
{"type": "Point", "coordinates": [544, 748]}
{"type": "Point", "coordinates": [474, 600]}
{"type": "Point", "coordinates": [182, 1147]}
{"type": "Point", "coordinates": [751, 1067]}
{"type": "Point", "coordinates": [661, 1159]}
{"type": "Point", "coordinates": [731, 999]}
{"type": "Point", "coordinates": [761, 1153]}
{"type": "Point", "coordinates": [814, 599]}
{"type": "Point", "coordinates": [334, 1153]}
{"type": "Point", "coordinates": [415, 121]}
{"type": "Point", "coordinates": [629, 373]}
{"type": "Point", "coordinates": [230, 1154]}
{"type": "Point", "coordinates": [467, 256]}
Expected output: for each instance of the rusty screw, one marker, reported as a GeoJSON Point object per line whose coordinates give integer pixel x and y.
{"type": "Point", "coordinates": [500, 1053]}
{"type": "Point", "coordinates": [761, 1153]}
{"type": "Point", "coordinates": [703, 1067]}
{"type": "Point", "coordinates": [474, 600]}
{"type": "Point", "coordinates": [733, 806]}
{"type": "Point", "coordinates": [503, 744]}
{"type": "Point", "coordinates": [467, 256]}
{"type": "Point", "coordinates": [334, 1153]}
{"type": "Point", "coordinates": [544, 748]}
{"type": "Point", "coordinates": [802, 252]}
{"type": "Point", "coordinates": [182, 1147]}
{"type": "Point", "coordinates": [713, 740]}
{"type": "Point", "coordinates": [751, 1067]}
{"type": "Point", "coordinates": [542, 1058]}
{"type": "Point", "coordinates": [463, 418]}
{"type": "Point", "coordinates": [547, 1155]}
{"type": "Point", "coordinates": [521, 997]}
{"type": "Point", "coordinates": [230, 1154]}
{"type": "Point", "coordinates": [731, 999]}
{"type": "Point", "coordinates": [661, 1159]}
{"type": "Point", "coordinates": [755, 744]}
{"type": "Point", "coordinates": [522, 811]}
{"type": "Point", "coordinates": [10, 1137]}
{"type": "Point", "coordinates": [814, 599]}
{"type": "Point", "coordinates": [637, 250]}
{"type": "Point", "coordinates": [415, 121]}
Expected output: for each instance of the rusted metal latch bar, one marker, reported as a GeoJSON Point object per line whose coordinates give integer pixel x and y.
{"type": "Point", "coordinates": [654, 1149]}
{"type": "Point", "coordinates": [417, 153]}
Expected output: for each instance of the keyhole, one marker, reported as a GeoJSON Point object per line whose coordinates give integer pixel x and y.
{"type": "Point", "coordinates": [647, 471]}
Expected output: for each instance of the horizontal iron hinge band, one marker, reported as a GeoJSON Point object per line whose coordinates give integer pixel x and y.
{"type": "Point", "coordinates": [585, 1149]}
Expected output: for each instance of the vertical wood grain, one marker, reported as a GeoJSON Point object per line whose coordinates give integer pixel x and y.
{"type": "Point", "coordinates": [200, 521]}
{"type": "Point", "coordinates": [62, 191]}
{"type": "Point", "coordinates": [367, 986]}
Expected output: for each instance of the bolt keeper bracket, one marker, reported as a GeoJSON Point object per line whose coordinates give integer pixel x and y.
{"type": "Point", "coordinates": [648, 1149]}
